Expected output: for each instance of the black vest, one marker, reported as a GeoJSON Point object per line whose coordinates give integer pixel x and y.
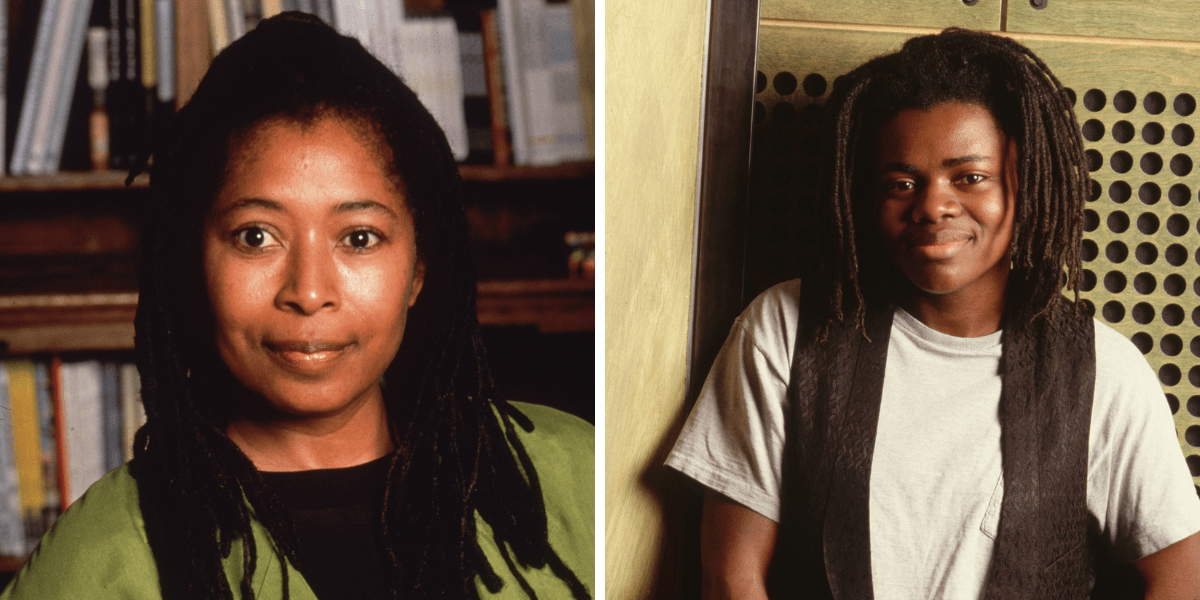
{"type": "Point", "coordinates": [1043, 548]}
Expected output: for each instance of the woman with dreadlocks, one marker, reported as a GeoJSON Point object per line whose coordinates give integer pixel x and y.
{"type": "Point", "coordinates": [929, 416]}
{"type": "Point", "coordinates": [320, 415]}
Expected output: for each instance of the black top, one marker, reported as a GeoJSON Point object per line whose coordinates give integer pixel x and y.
{"type": "Point", "coordinates": [338, 518]}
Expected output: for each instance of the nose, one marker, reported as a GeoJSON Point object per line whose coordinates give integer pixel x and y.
{"type": "Point", "coordinates": [310, 279]}
{"type": "Point", "coordinates": [934, 202]}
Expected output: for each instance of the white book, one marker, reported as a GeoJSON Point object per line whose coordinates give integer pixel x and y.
{"type": "Point", "coordinates": [12, 525]}
{"type": "Point", "coordinates": [235, 14]}
{"type": "Point", "coordinates": [52, 88]}
{"type": "Point", "coordinates": [83, 418]}
{"type": "Point", "coordinates": [33, 86]}
{"type": "Point", "coordinates": [62, 104]}
{"type": "Point", "coordinates": [3, 80]}
{"type": "Point", "coordinates": [164, 38]}
{"type": "Point", "coordinates": [132, 411]}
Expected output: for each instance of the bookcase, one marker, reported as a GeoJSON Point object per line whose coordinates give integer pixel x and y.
{"type": "Point", "coordinates": [69, 259]}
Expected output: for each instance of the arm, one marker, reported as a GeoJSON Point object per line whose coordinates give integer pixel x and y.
{"type": "Point", "coordinates": [1173, 573]}
{"type": "Point", "coordinates": [736, 545]}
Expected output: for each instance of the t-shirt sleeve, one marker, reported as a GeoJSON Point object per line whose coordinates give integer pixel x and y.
{"type": "Point", "coordinates": [732, 442]}
{"type": "Point", "coordinates": [1140, 488]}
{"type": "Point", "coordinates": [96, 549]}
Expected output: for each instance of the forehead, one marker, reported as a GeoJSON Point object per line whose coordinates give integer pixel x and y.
{"type": "Point", "coordinates": [328, 159]}
{"type": "Point", "coordinates": [940, 129]}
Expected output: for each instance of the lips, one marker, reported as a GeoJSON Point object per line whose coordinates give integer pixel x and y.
{"type": "Point", "coordinates": [936, 243]}
{"type": "Point", "coordinates": [307, 355]}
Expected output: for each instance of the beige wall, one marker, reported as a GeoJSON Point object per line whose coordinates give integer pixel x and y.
{"type": "Point", "coordinates": [654, 65]}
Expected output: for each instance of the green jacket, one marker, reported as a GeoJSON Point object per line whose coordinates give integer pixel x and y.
{"type": "Point", "coordinates": [98, 547]}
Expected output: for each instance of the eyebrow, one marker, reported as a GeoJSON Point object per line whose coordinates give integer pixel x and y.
{"type": "Point", "coordinates": [949, 162]}
{"type": "Point", "coordinates": [262, 203]}
{"type": "Point", "coordinates": [340, 208]}
{"type": "Point", "coordinates": [365, 205]}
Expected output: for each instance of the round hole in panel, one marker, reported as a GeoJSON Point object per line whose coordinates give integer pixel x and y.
{"type": "Point", "coordinates": [1092, 130]}
{"type": "Point", "coordinates": [1117, 221]}
{"type": "Point", "coordinates": [1116, 251]}
{"type": "Point", "coordinates": [1194, 379]}
{"type": "Point", "coordinates": [1181, 164]}
{"type": "Point", "coordinates": [1172, 314]}
{"type": "Point", "coordinates": [1184, 105]}
{"type": "Point", "coordinates": [811, 113]}
{"type": "Point", "coordinates": [1093, 191]}
{"type": "Point", "coordinates": [1177, 224]}
{"type": "Point", "coordinates": [1114, 282]}
{"type": "Point", "coordinates": [1193, 463]}
{"type": "Point", "coordinates": [1089, 250]}
{"type": "Point", "coordinates": [1093, 100]}
{"type": "Point", "coordinates": [1183, 134]}
{"type": "Point", "coordinates": [1146, 253]}
{"type": "Point", "coordinates": [1198, 261]}
{"type": "Point", "coordinates": [1144, 283]}
{"type": "Point", "coordinates": [1119, 192]}
{"type": "Point", "coordinates": [1113, 311]}
{"type": "Point", "coordinates": [1195, 346]}
{"type": "Point", "coordinates": [1192, 436]}
{"type": "Point", "coordinates": [1169, 374]}
{"type": "Point", "coordinates": [1176, 255]}
{"type": "Point", "coordinates": [1122, 131]}
{"type": "Point", "coordinates": [1089, 283]}
{"type": "Point", "coordinates": [1196, 316]}
{"type": "Point", "coordinates": [1193, 406]}
{"type": "Point", "coordinates": [1070, 95]}
{"type": "Point", "coordinates": [1147, 223]}
{"type": "Point", "coordinates": [1151, 163]}
{"type": "Point", "coordinates": [1121, 161]}
{"type": "Point", "coordinates": [1154, 103]}
{"type": "Point", "coordinates": [1143, 341]}
{"type": "Point", "coordinates": [1173, 402]}
{"type": "Point", "coordinates": [1179, 194]}
{"type": "Point", "coordinates": [1174, 285]}
{"type": "Point", "coordinates": [1089, 309]}
{"type": "Point", "coordinates": [1170, 345]}
{"type": "Point", "coordinates": [1091, 221]}
{"type": "Point", "coordinates": [760, 112]}
{"type": "Point", "coordinates": [1142, 313]}
{"type": "Point", "coordinates": [1094, 160]}
{"type": "Point", "coordinates": [814, 85]}
{"type": "Point", "coordinates": [783, 113]}
{"type": "Point", "coordinates": [1152, 133]}
{"type": "Point", "coordinates": [785, 83]}
{"type": "Point", "coordinates": [760, 82]}
{"type": "Point", "coordinates": [1196, 286]}
{"type": "Point", "coordinates": [1124, 101]}
{"type": "Point", "coordinates": [1149, 192]}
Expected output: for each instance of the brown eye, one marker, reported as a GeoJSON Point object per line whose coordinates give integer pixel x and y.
{"type": "Point", "coordinates": [362, 239]}
{"type": "Point", "coordinates": [254, 237]}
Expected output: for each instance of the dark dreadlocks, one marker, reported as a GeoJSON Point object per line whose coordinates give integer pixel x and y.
{"type": "Point", "coordinates": [1031, 107]}
{"type": "Point", "coordinates": [458, 453]}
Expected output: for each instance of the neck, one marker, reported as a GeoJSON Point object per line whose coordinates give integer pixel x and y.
{"type": "Point", "coordinates": [351, 437]}
{"type": "Point", "coordinates": [958, 315]}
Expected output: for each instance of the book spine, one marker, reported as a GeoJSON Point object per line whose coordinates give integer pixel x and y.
{"type": "Point", "coordinates": [113, 101]}
{"type": "Point", "coordinates": [33, 87]}
{"type": "Point", "coordinates": [271, 8]}
{"type": "Point", "coordinates": [58, 377]}
{"type": "Point", "coordinates": [49, 444]}
{"type": "Point", "coordinates": [147, 26]}
{"type": "Point", "coordinates": [62, 106]}
{"type": "Point", "coordinates": [98, 129]}
{"type": "Point", "coordinates": [497, 103]}
{"type": "Point", "coordinates": [217, 25]}
{"type": "Point", "coordinates": [511, 51]}
{"type": "Point", "coordinates": [324, 11]}
{"type": "Point", "coordinates": [4, 58]}
{"type": "Point", "coordinates": [12, 527]}
{"type": "Point", "coordinates": [133, 111]}
{"type": "Point", "coordinates": [22, 384]}
{"type": "Point", "coordinates": [52, 89]}
{"type": "Point", "coordinates": [114, 435]}
{"type": "Point", "coordinates": [132, 413]}
{"type": "Point", "coordinates": [165, 38]}
{"type": "Point", "coordinates": [84, 415]}
{"type": "Point", "coordinates": [235, 14]}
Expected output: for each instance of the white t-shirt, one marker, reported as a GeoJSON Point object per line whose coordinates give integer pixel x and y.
{"type": "Point", "coordinates": [936, 477]}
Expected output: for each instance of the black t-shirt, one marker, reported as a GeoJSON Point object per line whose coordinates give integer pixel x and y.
{"type": "Point", "coordinates": [338, 518]}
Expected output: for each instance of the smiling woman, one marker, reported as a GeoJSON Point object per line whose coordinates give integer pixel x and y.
{"type": "Point", "coordinates": [321, 418]}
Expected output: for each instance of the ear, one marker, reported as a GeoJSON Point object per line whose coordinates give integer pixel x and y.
{"type": "Point", "coordinates": [418, 281]}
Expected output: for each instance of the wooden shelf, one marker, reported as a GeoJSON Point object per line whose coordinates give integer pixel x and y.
{"type": "Point", "coordinates": [110, 180]}
{"type": "Point", "coordinates": [72, 322]}
{"type": "Point", "coordinates": [11, 564]}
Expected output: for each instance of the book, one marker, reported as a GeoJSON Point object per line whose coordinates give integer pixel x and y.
{"type": "Point", "coordinates": [12, 527]}
{"type": "Point", "coordinates": [133, 414]}
{"type": "Point", "coordinates": [84, 422]}
{"type": "Point", "coordinates": [49, 444]}
{"type": "Point", "coordinates": [4, 58]}
{"type": "Point", "coordinates": [217, 26]}
{"type": "Point", "coordinates": [98, 129]}
{"type": "Point", "coordinates": [111, 401]}
{"type": "Point", "coordinates": [22, 384]}
{"type": "Point", "coordinates": [33, 87]}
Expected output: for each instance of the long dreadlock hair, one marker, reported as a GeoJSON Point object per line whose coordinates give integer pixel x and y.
{"type": "Point", "coordinates": [1030, 106]}
{"type": "Point", "coordinates": [198, 492]}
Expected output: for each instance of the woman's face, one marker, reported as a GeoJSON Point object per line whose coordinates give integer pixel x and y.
{"type": "Point", "coordinates": [311, 265]}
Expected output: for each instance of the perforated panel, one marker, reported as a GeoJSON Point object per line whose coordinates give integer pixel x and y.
{"type": "Point", "coordinates": [1137, 106]}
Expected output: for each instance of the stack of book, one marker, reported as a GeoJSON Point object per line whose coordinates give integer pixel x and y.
{"type": "Point", "coordinates": [99, 74]}
{"type": "Point", "coordinates": [69, 424]}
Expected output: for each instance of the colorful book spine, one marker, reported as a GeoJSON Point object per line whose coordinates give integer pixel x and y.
{"type": "Point", "coordinates": [49, 444]}
{"type": "Point", "coordinates": [33, 87]}
{"type": "Point", "coordinates": [83, 410]}
{"type": "Point", "coordinates": [22, 384]}
{"type": "Point", "coordinates": [114, 423]}
{"type": "Point", "coordinates": [74, 43]}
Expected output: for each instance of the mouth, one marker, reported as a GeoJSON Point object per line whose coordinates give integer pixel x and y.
{"type": "Point", "coordinates": [308, 355]}
{"type": "Point", "coordinates": [937, 243]}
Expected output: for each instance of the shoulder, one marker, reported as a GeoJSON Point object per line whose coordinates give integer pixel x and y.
{"type": "Point", "coordinates": [1124, 380]}
{"type": "Point", "coordinates": [99, 543]}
